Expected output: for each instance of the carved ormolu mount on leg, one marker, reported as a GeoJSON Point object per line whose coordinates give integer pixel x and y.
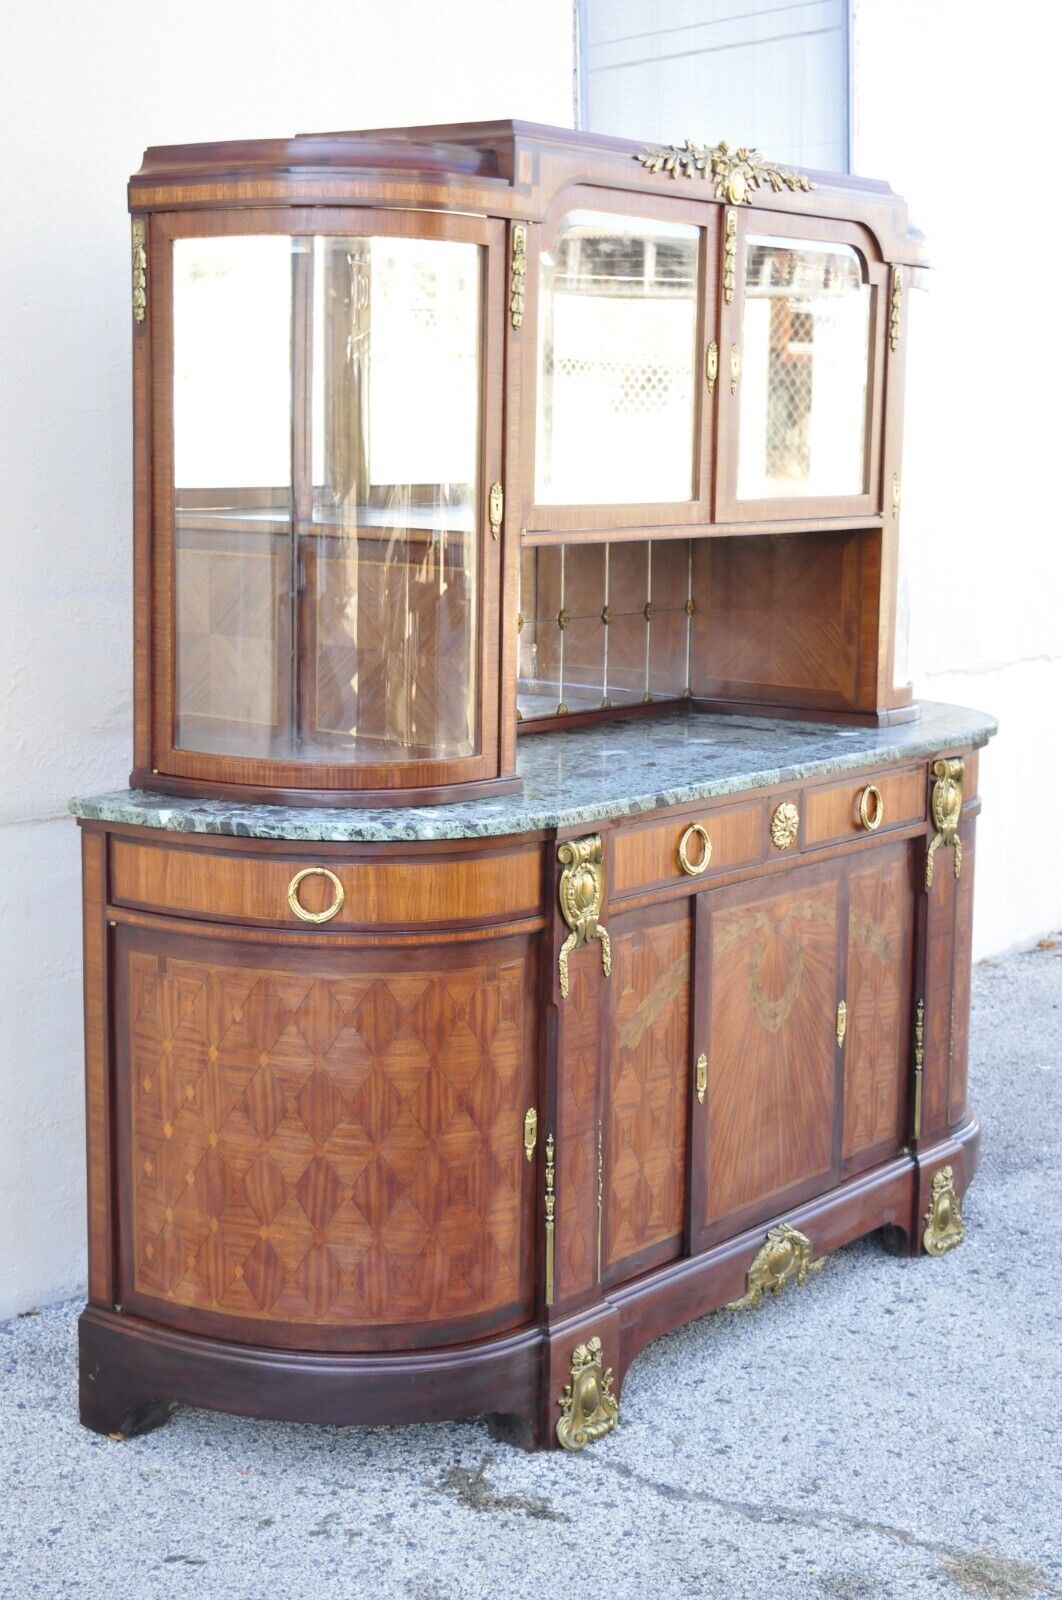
{"type": "Point", "coordinates": [946, 806]}
{"type": "Point", "coordinates": [589, 1409]}
{"type": "Point", "coordinates": [944, 1225]}
{"type": "Point", "coordinates": [785, 1258]}
{"type": "Point", "coordinates": [582, 891]}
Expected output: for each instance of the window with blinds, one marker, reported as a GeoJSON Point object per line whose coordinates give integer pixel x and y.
{"type": "Point", "coordinates": [773, 74]}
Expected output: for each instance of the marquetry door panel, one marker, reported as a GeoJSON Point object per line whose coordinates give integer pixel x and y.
{"type": "Point", "coordinates": [648, 1089]}
{"type": "Point", "coordinates": [767, 988]}
{"type": "Point", "coordinates": [881, 901]}
{"type": "Point", "coordinates": [312, 1142]}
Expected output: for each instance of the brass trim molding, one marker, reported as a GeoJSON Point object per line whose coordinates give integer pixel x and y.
{"type": "Point", "coordinates": [729, 255]}
{"type": "Point", "coordinates": [737, 174]}
{"type": "Point", "coordinates": [946, 807]}
{"type": "Point", "coordinates": [919, 1059]}
{"type": "Point", "coordinates": [589, 1409]}
{"type": "Point", "coordinates": [338, 895]}
{"type": "Point", "coordinates": [517, 272]}
{"type": "Point", "coordinates": [600, 1193]}
{"type": "Point", "coordinates": [530, 1132]}
{"type": "Point", "coordinates": [784, 1258]}
{"type": "Point", "coordinates": [139, 271]}
{"type": "Point", "coordinates": [785, 825]}
{"type": "Point", "coordinates": [944, 1225]}
{"type": "Point", "coordinates": [550, 1219]}
{"type": "Point", "coordinates": [895, 308]}
{"type": "Point", "coordinates": [581, 893]}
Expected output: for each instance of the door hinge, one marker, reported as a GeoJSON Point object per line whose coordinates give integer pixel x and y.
{"type": "Point", "coordinates": [842, 1023]}
{"type": "Point", "coordinates": [702, 1076]}
{"type": "Point", "coordinates": [550, 1203]}
{"type": "Point", "coordinates": [919, 1059]}
{"type": "Point", "coordinates": [530, 1132]}
{"type": "Point", "coordinates": [139, 271]}
{"type": "Point", "coordinates": [711, 366]}
{"type": "Point", "coordinates": [735, 367]}
{"type": "Point", "coordinates": [496, 509]}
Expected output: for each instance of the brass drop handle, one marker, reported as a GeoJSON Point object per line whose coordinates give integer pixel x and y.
{"type": "Point", "coordinates": [695, 868]}
{"type": "Point", "coordinates": [871, 808]}
{"type": "Point", "coordinates": [316, 916]}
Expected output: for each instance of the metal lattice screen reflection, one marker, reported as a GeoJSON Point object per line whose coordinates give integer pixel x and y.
{"type": "Point", "coordinates": [604, 625]}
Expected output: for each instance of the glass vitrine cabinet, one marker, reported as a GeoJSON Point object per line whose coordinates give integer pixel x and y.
{"type": "Point", "coordinates": [324, 524]}
{"type": "Point", "coordinates": [441, 435]}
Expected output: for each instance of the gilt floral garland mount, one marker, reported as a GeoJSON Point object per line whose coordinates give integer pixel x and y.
{"type": "Point", "coordinates": [737, 174]}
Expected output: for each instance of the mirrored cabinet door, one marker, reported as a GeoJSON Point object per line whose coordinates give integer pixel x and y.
{"type": "Point", "coordinates": [801, 411]}
{"type": "Point", "coordinates": [619, 368]}
{"type": "Point", "coordinates": [328, 501]}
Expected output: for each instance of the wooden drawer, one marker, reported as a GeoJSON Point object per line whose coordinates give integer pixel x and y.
{"type": "Point", "coordinates": [831, 814]}
{"type": "Point", "coordinates": [254, 886]}
{"type": "Point", "coordinates": [648, 857]}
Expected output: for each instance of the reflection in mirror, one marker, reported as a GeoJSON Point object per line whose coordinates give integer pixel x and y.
{"type": "Point", "coordinates": [804, 370]}
{"type": "Point", "coordinates": [616, 361]}
{"type": "Point", "coordinates": [326, 447]}
{"type": "Point", "coordinates": [602, 626]}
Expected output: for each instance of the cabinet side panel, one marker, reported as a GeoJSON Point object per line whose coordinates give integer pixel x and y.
{"type": "Point", "coordinates": [577, 1126]}
{"type": "Point", "coordinates": [771, 1081]}
{"type": "Point", "coordinates": [939, 968]}
{"type": "Point", "coordinates": [97, 1076]}
{"type": "Point", "coordinates": [315, 1141]}
{"type": "Point", "coordinates": [960, 1005]}
{"type": "Point", "coordinates": [880, 918]}
{"type": "Point", "coordinates": [648, 1094]}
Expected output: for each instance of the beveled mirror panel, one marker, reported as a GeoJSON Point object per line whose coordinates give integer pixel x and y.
{"type": "Point", "coordinates": [805, 365]}
{"type": "Point", "coordinates": [617, 362]}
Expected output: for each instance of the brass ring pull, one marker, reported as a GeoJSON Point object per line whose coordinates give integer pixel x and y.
{"type": "Point", "coordinates": [316, 916]}
{"type": "Point", "coordinates": [695, 868]}
{"type": "Point", "coordinates": [871, 819]}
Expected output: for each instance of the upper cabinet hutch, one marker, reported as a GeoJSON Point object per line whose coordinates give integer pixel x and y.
{"type": "Point", "coordinates": [541, 914]}
{"type": "Point", "coordinates": [444, 431]}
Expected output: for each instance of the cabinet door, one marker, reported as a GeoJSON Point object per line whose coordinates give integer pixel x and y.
{"type": "Point", "coordinates": [645, 1126]}
{"type": "Point", "coordinates": [801, 405]}
{"type": "Point", "coordinates": [327, 412]}
{"type": "Point", "coordinates": [619, 306]}
{"type": "Point", "coordinates": [767, 988]}
{"type": "Point", "coordinates": [795, 1102]}
{"type": "Point", "coordinates": [312, 1142]}
{"type": "Point", "coordinates": [881, 902]}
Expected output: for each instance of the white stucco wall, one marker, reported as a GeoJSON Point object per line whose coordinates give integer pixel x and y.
{"type": "Point", "coordinates": [952, 99]}
{"type": "Point", "coordinates": [84, 87]}
{"type": "Point", "coordinates": [945, 104]}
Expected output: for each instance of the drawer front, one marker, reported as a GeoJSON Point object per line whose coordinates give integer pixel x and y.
{"type": "Point", "coordinates": [832, 814]}
{"type": "Point", "coordinates": [260, 887]}
{"type": "Point", "coordinates": [649, 857]}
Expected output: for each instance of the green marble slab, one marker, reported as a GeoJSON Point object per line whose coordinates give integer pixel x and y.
{"type": "Point", "coordinates": [582, 776]}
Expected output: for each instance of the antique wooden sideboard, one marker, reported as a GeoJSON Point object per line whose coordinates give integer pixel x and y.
{"type": "Point", "coordinates": [433, 1070]}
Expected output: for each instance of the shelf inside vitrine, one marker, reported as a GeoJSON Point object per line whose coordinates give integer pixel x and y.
{"type": "Point", "coordinates": [699, 530]}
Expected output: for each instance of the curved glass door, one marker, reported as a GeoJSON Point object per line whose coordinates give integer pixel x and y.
{"type": "Point", "coordinates": [326, 414]}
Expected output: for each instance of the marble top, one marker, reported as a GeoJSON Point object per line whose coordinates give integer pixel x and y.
{"type": "Point", "coordinates": [581, 776]}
